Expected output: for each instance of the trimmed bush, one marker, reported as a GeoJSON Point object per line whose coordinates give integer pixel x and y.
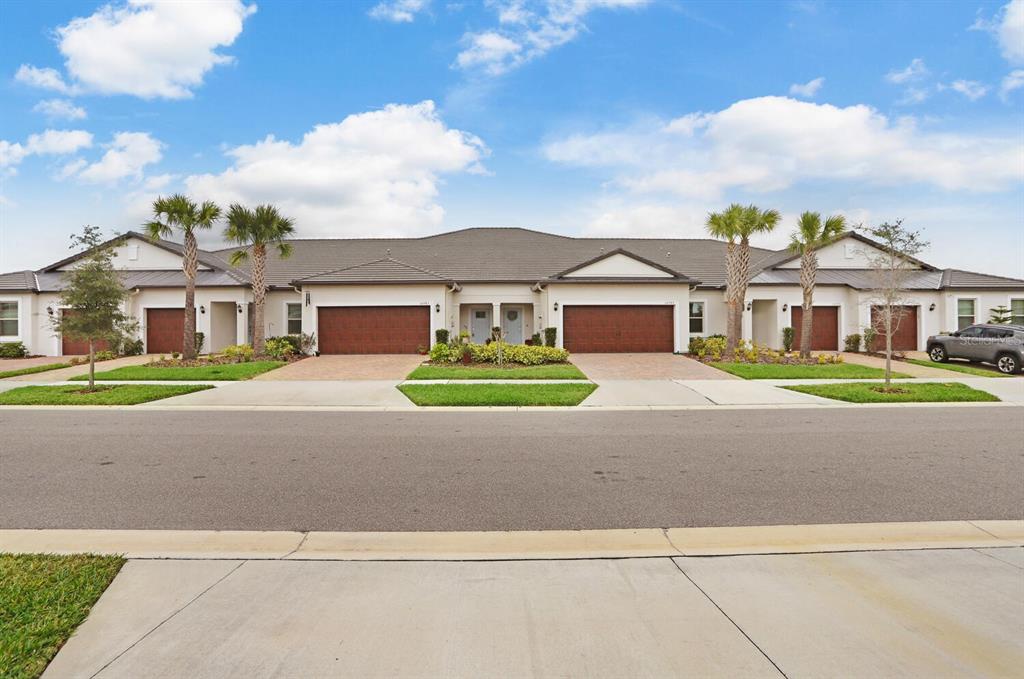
{"type": "Point", "coordinates": [239, 353]}
{"type": "Point", "coordinates": [517, 353]}
{"type": "Point", "coordinates": [200, 340]}
{"type": "Point", "coordinates": [787, 339]}
{"type": "Point", "coordinates": [105, 355]}
{"type": "Point", "coordinates": [536, 339]}
{"type": "Point", "coordinates": [696, 345]}
{"type": "Point", "coordinates": [13, 350]}
{"type": "Point", "coordinates": [852, 342]}
{"type": "Point", "coordinates": [869, 339]}
{"type": "Point", "coordinates": [294, 341]}
{"type": "Point", "coordinates": [279, 347]}
{"type": "Point", "coordinates": [131, 347]}
{"type": "Point", "coordinates": [441, 336]}
{"type": "Point", "coordinates": [550, 336]}
{"type": "Point", "coordinates": [442, 353]}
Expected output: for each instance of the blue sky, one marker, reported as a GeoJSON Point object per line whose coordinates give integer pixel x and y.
{"type": "Point", "coordinates": [584, 117]}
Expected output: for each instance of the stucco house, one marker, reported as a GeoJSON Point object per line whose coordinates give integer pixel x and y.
{"type": "Point", "coordinates": [389, 295]}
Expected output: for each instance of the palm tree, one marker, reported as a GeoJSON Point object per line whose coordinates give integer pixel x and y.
{"type": "Point", "coordinates": [810, 236]}
{"type": "Point", "coordinates": [726, 226]}
{"type": "Point", "coordinates": [754, 221]}
{"type": "Point", "coordinates": [258, 229]}
{"type": "Point", "coordinates": [180, 213]}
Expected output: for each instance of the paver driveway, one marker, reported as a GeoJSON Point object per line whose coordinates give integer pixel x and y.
{"type": "Point", "coordinates": [348, 367]}
{"type": "Point", "coordinates": [645, 367]}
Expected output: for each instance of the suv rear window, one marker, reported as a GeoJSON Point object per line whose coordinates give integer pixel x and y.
{"type": "Point", "coordinates": [996, 333]}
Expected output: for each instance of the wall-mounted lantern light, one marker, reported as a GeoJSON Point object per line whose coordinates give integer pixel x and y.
{"type": "Point", "coordinates": [239, 308]}
{"type": "Point", "coordinates": [785, 307]}
{"type": "Point", "coordinates": [749, 306]}
{"type": "Point", "coordinates": [202, 309]}
{"type": "Point", "coordinates": [437, 308]}
{"type": "Point", "coordinates": [556, 306]}
{"type": "Point", "coordinates": [49, 310]}
{"type": "Point", "coordinates": [307, 298]}
{"type": "Point", "coordinates": [932, 307]}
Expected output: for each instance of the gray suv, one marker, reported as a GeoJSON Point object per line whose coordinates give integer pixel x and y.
{"type": "Point", "coordinates": [1000, 345]}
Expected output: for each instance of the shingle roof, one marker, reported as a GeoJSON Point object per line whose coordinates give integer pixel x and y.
{"type": "Point", "coordinates": [386, 270]}
{"type": "Point", "coordinates": [53, 281]}
{"type": "Point", "coordinates": [957, 278]}
{"type": "Point", "coordinates": [17, 281]}
{"type": "Point", "coordinates": [859, 279]}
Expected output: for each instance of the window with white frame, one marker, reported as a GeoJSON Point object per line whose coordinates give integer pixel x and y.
{"type": "Point", "coordinates": [697, 318]}
{"type": "Point", "coordinates": [294, 313]}
{"type": "Point", "coordinates": [964, 313]}
{"type": "Point", "coordinates": [1017, 311]}
{"type": "Point", "coordinates": [9, 319]}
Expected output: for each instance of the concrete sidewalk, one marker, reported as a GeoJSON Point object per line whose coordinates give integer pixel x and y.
{"type": "Point", "coordinates": [946, 612]}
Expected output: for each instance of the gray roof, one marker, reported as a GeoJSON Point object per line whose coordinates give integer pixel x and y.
{"type": "Point", "coordinates": [859, 279]}
{"type": "Point", "coordinates": [957, 278]}
{"type": "Point", "coordinates": [386, 270]}
{"type": "Point", "coordinates": [19, 281]}
{"type": "Point", "coordinates": [53, 281]}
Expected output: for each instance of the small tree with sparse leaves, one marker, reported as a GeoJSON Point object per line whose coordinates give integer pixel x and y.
{"type": "Point", "coordinates": [93, 297]}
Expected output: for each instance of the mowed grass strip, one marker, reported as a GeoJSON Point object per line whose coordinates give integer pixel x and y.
{"type": "Point", "coordinates": [782, 371]}
{"type": "Point", "coordinates": [905, 392]}
{"type": "Point", "coordinates": [497, 394]}
{"type": "Point", "coordinates": [222, 371]}
{"type": "Point", "coordinates": [553, 371]}
{"type": "Point", "coordinates": [43, 598]}
{"type": "Point", "coordinates": [33, 370]}
{"type": "Point", "coordinates": [104, 395]}
{"type": "Point", "coordinates": [965, 368]}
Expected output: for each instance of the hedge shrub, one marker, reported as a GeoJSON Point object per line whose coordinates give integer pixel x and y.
{"type": "Point", "coordinates": [518, 353]}
{"type": "Point", "coordinates": [13, 350]}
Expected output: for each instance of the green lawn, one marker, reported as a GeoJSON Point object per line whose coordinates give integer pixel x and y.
{"type": "Point", "coordinates": [553, 371]}
{"type": "Point", "coordinates": [34, 369]}
{"type": "Point", "coordinates": [43, 598]}
{"type": "Point", "coordinates": [223, 371]}
{"type": "Point", "coordinates": [918, 392]}
{"type": "Point", "coordinates": [773, 371]}
{"type": "Point", "coordinates": [105, 395]}
{"type": "Point", "coordinates": [958, 367]}
{"type": "Point", "coordinates": [497, 394]}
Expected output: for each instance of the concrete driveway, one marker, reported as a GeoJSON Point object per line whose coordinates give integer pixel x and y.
{"type": "Point", "coordinates": [645, 367]}
{"type": "Point", "coordinates": [348, 367]}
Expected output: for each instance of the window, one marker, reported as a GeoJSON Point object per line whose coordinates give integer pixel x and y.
{"type": "Point", "coordinates": [1017, 311]}
{"type": "Point", "coordinates": [697, 318]}
{"type": "Point", "coordinates": [294, 318]}
{"type": "Point", "coordinates": [974, 331]}
{"type": "Point", "coordinates": [996, 333]}
{"type": "Point", "coordinates": [9, 319]}
{"type": "Point", "coordinates": [964, 313]}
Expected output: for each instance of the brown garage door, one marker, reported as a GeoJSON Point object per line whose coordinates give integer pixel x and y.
{"type": "Point", "coordinates": [905, 337]}
{"type": "Point", "coordinates": [373, 329]}
{"type": "Point", "coordinates": [824, 331]}
{"type": "Point", "coordinates": [165, 330]}
{"type": "Point", "coordinates": [71, 347]}
{"type": "Point", "coordinates": [612, 328]}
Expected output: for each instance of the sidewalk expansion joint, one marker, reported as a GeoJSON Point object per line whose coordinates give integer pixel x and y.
{"type": "Point", "coordinates": [305, 536]}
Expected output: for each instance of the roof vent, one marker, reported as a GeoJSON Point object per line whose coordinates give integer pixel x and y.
{"type": "Point", "coordinates": [389, 252]}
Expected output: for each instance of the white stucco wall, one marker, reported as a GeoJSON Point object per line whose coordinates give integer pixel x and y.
{"type": "Point", "coordinates": [140, 254]}
{"type": "Point", "coordinates": [848, 253]}
{"type": "Point", "coordinates": [619, 265]}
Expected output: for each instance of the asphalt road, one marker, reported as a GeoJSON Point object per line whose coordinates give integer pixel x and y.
{"type": "Point", "coordinates": [500, 471]}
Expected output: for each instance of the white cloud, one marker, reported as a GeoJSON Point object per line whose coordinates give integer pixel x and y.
{"type": "Point", "coordinates": [808, 89]}
{"type": "Point", "coordinates": [914, 71]}
{"type": "Point", "coordinates": [44, 78]}
{"type": "Point", "coordinates": [769, 144]}
{"type": "Point", "coordinates": [70, 168]}
{"type": "Point", "coordinates": [528, 30]}
{"type": "Point", "coordinates": [47, 143]}
{"type": "Point", "coordinates": [126, 157]}
{"type": "Point", "coordinates": [158, 181]}
{"type": "Point", "coordinates": [398, 11]}
{"type": "Point", "coordinates": [144, 48]}
{"type": "Point", "coordinates": [914, 95]}
{"type": "Point", "coordinates": [1013, 81]}
{"type": "Point", "coordinates": [1008, 28]}
{"type": "Point", "coordinates": [972, 89]}
{"type": "Point", "coordinates": [63, 109]}
{"type": "Point", "coordinates": [374, 173]}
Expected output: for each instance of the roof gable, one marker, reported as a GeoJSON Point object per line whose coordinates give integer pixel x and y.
{"type": "Point", "coordinates": [619, 263]}
{"type": "Point", "coordinates": [849, 251]}
{"type": "Point", "coordinates": [385, 270]}
{"type": "Point", "coordinates": [137, 252]}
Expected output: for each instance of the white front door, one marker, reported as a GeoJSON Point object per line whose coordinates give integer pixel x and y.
{"type": "Point", "coordinates": [480, 325]}
{"type": "Point", "coordinates": [512, 324]}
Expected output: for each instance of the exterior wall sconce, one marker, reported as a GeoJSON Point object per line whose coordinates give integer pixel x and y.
{"type": "Point", "coordinates": [239, 308]}
{"type": "Point", "coordinates": [785, 307]}
{"type": "Point", "coordinates": [931, 307]}
{"type": "Point", "coordinates": [202, 309]}
{"type": "Point", "coordinates": [749, 306]}
{"type": "Point", "coordinates": [437, 308]}
{"type": "Point", "coordinates": [49, 310]}
{"type": "Point", "coordinates": [307, 298]}
{"type": "Point", "coordinates": [556, 306]}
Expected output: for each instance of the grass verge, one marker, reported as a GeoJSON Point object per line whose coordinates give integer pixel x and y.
{"type": "Point", "coordinates": [781, 371]}
{"type": "Point", "coordinates": [966, 368]}
{"type": "Point", "coordinates": [105, 395]}
{"type": "Point", "coordinates": [223, 371]}
{"type": "Point", "coordinates": [43, 599]}
{"type": "Point", "coordinates": [497, 394]}
{"type": "Point", "coordinates": [33, 370]}
{"type": "Point", "coordinates": [554, 371]}
{"type": "Point", "coordinates": [905, 392]}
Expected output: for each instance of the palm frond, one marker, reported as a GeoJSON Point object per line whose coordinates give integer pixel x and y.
{"type": "Point", "coordinates": [238, 257]}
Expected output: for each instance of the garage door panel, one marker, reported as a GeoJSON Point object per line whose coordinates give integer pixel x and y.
{"type": "Point", "coordinates": [618, 328]}
{"type": "Point", "coordinates": [824, 331]}
{"type": "Point", "coordinates": [165, 331]}
{"type": "Point", "coordinates": [373, 330]}
{"type": "Point", "coordinates": [72, 347]}
{"type": "Point", "coordinates": [905, 337]}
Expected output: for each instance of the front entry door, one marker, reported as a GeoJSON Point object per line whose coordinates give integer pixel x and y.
{"type": "Point", "coordinates": [512, 325]}
{"type": "Point", "coordinates": [480, 325]}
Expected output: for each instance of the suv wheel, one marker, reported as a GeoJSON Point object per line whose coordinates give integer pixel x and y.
{"type": "Point", "coordinates": [1008, 364]}
{"type": "Point", "coordinates": [938, 353]}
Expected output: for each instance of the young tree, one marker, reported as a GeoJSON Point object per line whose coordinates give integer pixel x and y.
{"type": "Point", "coordinates": [810, 236]}
{"type": "Point", "coordinates": [258, 229]}
{"type": "Point", "coordinates": [726, 225]}
{"type": "Point", "coordinates": [754, 221]}
{"type": "Point", "coordinates": [891, 264]}
{"type": "Point", "coordinates": [1001, 315]}
{"type": "Point", "coordinates": [180, 213]}
{"type": "Point", "coordinates": [94, 295]}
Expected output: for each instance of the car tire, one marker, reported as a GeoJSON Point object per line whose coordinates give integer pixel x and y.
{"type": "Point", "coordinates": [1008, 364]}
{"type": "Point", "coordinates": [937, 353]}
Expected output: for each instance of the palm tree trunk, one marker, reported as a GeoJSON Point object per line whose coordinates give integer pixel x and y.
{"type": "Point", "coordinates": [731, 264]}
{"type": "Point", "coordinates": [742, 278]}
{"type": "Point", "coordinates": [190, 263]}
{"type": "Point", "coordinates": [808, 269]}
{"type": "Point", "coordinates": [259, 293]}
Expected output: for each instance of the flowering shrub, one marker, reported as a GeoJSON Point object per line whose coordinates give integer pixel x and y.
{"type": "Point", "coordinates": [442, 353]}
{"type": "Point", "coordinates": [280, 347]}
{"type": "Point", "coordinates": [713, 349]}
{"type": "Point", "coordinates": [238, 353]}
{"type": "Point", "coordinates": [518, 353]}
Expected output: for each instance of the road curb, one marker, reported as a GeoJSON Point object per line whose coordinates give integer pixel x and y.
{"type": "Point", "coordinates": [518, 545]}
